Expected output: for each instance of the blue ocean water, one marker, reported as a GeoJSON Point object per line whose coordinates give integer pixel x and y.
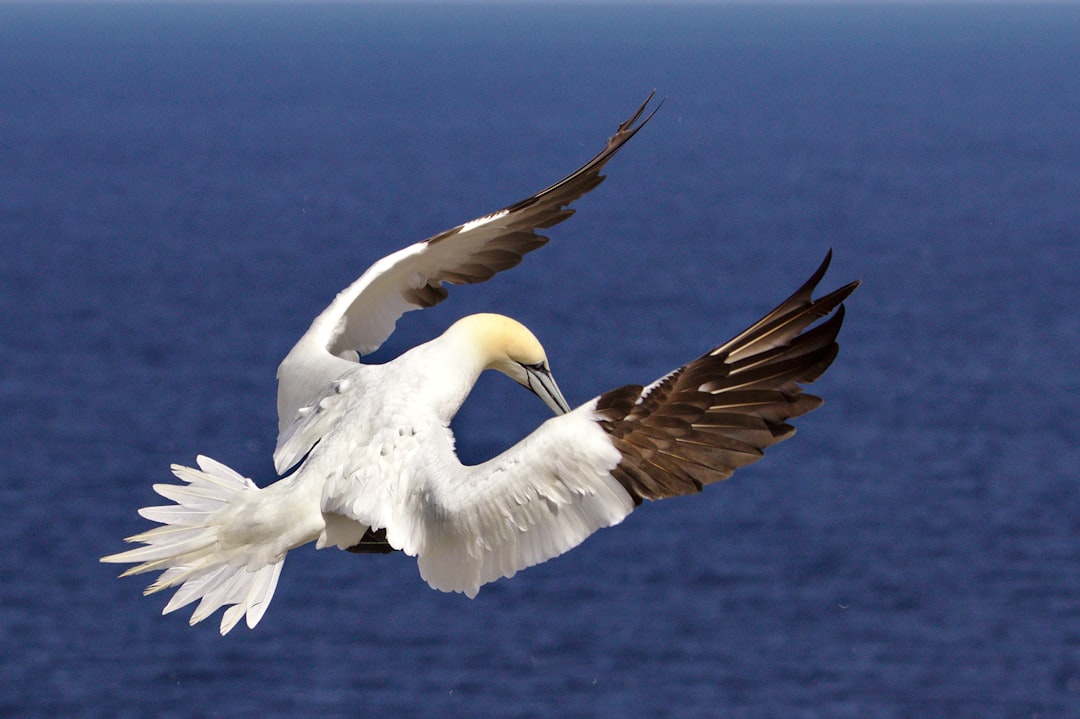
{"type": "Point", "coordinates": [183, 187]}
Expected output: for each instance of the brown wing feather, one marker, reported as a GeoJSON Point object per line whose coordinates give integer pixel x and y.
{"type": "Point", "coordinates": [720, 411]}
{"type": "Point", "coordinates": [518, 222]}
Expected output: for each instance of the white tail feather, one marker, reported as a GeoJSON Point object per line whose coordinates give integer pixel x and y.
{"type": "Point", "coordinates": [190, 549]}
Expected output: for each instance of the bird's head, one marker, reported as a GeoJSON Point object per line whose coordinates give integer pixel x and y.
{"type": "Point", "coordinates": [508, 346]}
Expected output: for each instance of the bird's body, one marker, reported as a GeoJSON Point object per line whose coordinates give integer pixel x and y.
{"type": "Point", "coordinates": [372, 453]}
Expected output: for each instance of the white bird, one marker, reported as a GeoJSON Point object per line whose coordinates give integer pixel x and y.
{"type": "Point", "coordinates": [377, 467]}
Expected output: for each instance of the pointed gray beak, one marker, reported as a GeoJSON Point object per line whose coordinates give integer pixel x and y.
{"type": "Point", "coordinates": [543, 384]}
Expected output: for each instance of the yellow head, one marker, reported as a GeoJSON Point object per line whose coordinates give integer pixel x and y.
{"type": "Point", "coordinates": [508, 346]}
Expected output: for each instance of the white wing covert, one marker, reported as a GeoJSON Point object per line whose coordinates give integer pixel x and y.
{"type": "Point", "coordinates": [365, 313]}
{"type": "Point", "coordinates": [537, 500]}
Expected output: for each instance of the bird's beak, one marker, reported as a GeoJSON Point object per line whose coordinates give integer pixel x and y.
{"type": "Point", "coordinates": [543, 384]}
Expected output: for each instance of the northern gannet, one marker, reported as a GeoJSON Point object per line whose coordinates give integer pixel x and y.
{"type": "Point", "coordinates": [375, 466]}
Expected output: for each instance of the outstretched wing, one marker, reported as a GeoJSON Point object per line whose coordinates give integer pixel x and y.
{"type": "Point", "coordinates": [588, 469]}
{"type": "Point", "coordinates": [706, 419]}
{"type": "Point", "coordinates": [364, 314]}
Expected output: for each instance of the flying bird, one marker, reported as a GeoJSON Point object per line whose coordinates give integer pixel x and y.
{"type": "Point", "coordinates": [368, 456]}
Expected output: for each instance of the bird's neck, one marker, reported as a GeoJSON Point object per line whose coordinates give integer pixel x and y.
{"type": "Point", "coordinates": [447, 367]}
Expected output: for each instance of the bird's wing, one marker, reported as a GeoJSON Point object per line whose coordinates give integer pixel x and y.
{"type": "Point", "coordinates": [588, 469]}
{"type": "Point", "coordinates": [721, 411]}
{"type": "Point", "coordinates": [364, 314]}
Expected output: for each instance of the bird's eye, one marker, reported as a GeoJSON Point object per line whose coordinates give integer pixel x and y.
{"type": "Point", "coordinates": [539, 366]}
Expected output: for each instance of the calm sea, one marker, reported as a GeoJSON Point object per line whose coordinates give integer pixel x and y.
{"type": "Point", "coordinates": [183, 187]}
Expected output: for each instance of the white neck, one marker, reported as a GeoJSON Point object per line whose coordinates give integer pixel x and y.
{"type": "Point", "coordinates": [447, 368]}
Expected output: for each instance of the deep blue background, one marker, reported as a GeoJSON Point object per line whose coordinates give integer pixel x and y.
{"type": "Point", "coordinates": [183, 188]}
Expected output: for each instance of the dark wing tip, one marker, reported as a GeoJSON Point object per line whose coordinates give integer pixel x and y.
{"type": "Point", "coordinates": [628, 127]}
{"type": "Point", "coordinates": [513, 228]}
{"type": "Point", "coordinates": [588, 176]}
{"type": "Point", "coordinates": [723, 409]}
{"type": "Point", "coordinates": [789, 318]}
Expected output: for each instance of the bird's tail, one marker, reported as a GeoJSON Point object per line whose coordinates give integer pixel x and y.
{"type": "Point", "coordinates": [193, 552]}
